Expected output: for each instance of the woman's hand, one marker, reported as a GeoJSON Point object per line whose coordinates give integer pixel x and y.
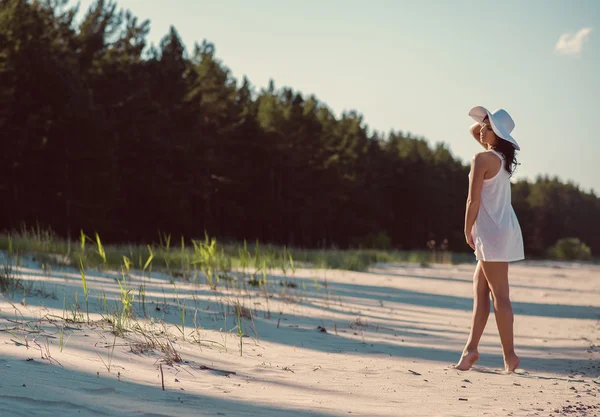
{"type": "Point", "coordinates": [475, 129]}
{"type": "Point", "coordinates": [469, 238]}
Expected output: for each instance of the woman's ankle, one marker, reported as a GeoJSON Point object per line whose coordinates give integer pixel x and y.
{"type": "Point", "coordinates": [471, 348]}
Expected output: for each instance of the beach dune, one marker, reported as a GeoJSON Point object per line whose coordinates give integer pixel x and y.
{"type": "Point", "coordinates": [329, 343]}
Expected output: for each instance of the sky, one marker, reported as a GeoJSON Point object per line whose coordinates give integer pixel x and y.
{"type": "Point", "coordinates": [419, 66]}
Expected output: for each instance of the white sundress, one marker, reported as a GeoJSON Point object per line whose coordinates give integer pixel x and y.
{"type": "Point", "coordinates": [496, 231]}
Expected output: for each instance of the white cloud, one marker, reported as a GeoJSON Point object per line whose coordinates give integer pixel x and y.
{"type": "Point", "coordinates": [572, 44]}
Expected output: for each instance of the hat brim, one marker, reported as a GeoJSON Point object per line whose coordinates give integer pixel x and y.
{"type": "Point", "coordinates": [478, 113]}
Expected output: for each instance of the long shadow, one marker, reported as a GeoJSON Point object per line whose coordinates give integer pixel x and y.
{"type": "Point", "coordinates": [302, 332]}
{"type": "Point", "coordinates": [348, 342]}
{"type": "Point", "coordinates": [306, 335]}
{"type": "Point", "coordinates": [310, 338]}
{"type": "Point", "coordinates": [43, 390]}
{"type": "Point", "coordinates": [423, 299]}
{"type": "Point", "coordinates": [513, 284]}
{"type": "Point", "coordinates": [375, 293]}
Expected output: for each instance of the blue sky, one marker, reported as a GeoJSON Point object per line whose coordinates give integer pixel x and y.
{"type": "Point", "coordinates": [419, 66]}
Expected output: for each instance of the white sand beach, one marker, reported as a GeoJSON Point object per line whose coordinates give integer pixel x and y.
{"type": "Point", "coordinates": [376, 343]}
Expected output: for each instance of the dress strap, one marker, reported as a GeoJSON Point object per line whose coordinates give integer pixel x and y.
{"type": "Point", "coordinates": [498, 154]}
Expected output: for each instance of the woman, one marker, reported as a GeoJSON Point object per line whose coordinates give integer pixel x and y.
{"type": "Point", "coordinates": [492, 230]}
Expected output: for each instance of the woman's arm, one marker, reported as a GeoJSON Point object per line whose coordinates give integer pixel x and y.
{"type": "Point", "coordinates": [474, 129]}
{"type": "Point", "coordinates": [478, 170]}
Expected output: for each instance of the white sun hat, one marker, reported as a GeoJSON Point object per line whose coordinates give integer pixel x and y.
{"type": "Point", "coordinates": [502, 123]}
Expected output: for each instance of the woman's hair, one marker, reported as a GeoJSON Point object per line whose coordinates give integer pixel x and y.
{"type": "Point", "coordinates": [508, 151]}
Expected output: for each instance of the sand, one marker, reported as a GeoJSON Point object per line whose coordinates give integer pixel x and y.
{"type": "Point", "coordinates": [376, 343]}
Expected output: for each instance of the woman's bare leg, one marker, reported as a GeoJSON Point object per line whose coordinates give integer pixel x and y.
{"type": "Point", "coordinates": [497, 277]}
{"type": "Point", "coordinates": [481, 311]}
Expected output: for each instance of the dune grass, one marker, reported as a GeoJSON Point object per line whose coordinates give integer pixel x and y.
{"type": "Point", "coordinates": [243, 268]}
{"type": "Point", "coordinates": [206, 255]}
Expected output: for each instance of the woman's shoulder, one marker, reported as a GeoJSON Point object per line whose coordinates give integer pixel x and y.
{"type": "Point", "coordinates": [483, 156]}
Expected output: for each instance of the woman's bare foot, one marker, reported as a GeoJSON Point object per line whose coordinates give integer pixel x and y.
{"type": "Point", "coordinates": [511, 362]}
{"type": "Point", "coordinates": [467, 360]}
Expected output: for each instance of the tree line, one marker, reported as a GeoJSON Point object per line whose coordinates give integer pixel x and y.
{"type": "Point", "coordinates": [102, 132]}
